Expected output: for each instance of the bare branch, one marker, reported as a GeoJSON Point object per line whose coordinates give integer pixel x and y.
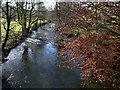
{"type": "Point", "coordinates": [4, 27]}
{"type": "Point", "coordinates": [4, 11]}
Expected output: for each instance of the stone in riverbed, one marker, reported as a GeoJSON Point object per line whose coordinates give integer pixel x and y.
{"type": "Point", "coordinates": [35, 41]}
{"type": "Point", "coordinates": [34, 34]}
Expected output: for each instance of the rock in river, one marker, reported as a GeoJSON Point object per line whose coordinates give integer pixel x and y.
{"type": "Point", "coordinates": [35, 41]}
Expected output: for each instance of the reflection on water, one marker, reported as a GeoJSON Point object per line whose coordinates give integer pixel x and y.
{"type": "Point", "coordinates": [37, 67]}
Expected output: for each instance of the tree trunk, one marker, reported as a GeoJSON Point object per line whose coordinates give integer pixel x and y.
{"type": "Point", "coordinates": [8, 27]}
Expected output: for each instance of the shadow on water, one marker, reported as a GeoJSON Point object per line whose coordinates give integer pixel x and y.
{"type": "Point", "coordinates": [37, 67]}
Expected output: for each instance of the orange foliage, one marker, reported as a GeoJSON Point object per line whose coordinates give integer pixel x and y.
{"type": "Point", "coordinates": [100, 53]}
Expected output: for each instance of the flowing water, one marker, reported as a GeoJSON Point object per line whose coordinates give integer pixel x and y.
{"type": "Point", "coordinates": [37, 66]}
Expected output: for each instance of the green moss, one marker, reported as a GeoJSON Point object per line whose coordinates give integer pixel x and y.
{"type": "Point", "coordinates": [94, 31]}
{"type": "Point", "coordinates": [75, 32]}
{"type": "Point", "coordinates": [40, 21]}
{"type": "Point", "coordinates": [14, 26]}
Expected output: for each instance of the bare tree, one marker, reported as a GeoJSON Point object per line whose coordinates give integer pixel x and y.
{"type": "Point", "coordinates": [8, 14]}
{"type": "Point", "coordinates": [24, 15]}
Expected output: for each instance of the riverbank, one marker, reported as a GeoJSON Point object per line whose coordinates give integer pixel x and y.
{"type": "Point", "coordinates": [17, 39]}
{"type": "Point", "coordinates": [94, 53]}
{"type": "Point", "coordinates": [91, 44]}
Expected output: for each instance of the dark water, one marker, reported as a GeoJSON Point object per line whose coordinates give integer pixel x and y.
{"type": "Point", "coordinates": [37, 68]}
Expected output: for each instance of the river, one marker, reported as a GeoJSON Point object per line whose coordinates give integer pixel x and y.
{"type": "Point", "coordinates": [37, 66]}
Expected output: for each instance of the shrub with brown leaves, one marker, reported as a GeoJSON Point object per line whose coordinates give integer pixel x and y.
{"type": "Point", "coordinates": [99, 53]}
